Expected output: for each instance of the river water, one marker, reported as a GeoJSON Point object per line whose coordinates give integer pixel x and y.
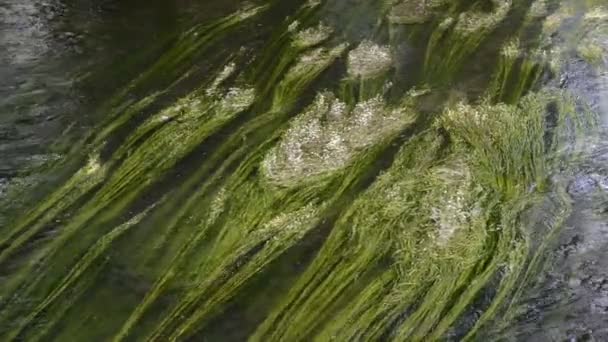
{"type": "Point", "coordinates": [48, 50]}
{"type": "Point", "coordinates": [70, 69]}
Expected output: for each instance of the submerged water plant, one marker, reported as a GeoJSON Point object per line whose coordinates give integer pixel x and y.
{"type": "Point", "coordinates": [299, 188]}
{"type": "Point", "coordinates": [457, 36]}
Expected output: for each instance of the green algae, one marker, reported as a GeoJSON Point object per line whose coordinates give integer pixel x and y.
{"type": "Point", "coordinates": [422, 210]}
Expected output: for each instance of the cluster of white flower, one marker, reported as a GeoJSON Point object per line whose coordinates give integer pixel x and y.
{"type": "Point", "coordinates": [92, 173]}
{"type": "Point", "coordinates": [475, 21]}
{"type": "Point", "coordinates": [446, 23]}
{"type": "Point", "coordinates": [289, 223]}
{"type": "Point", "coordinates": [226, 72]}
{"type": "Point", "coordinates": [597, 13]}
{"type": "Point", "coordinates": [294, 26]}
{"type": "Point", "coordinates": [327, 136]}
{"type": "Point", "coordinates": [452, 208]}
{"type": "Point", "coordinates": [93, 165]}
{"type": "Point", "coordinates": [593, 46]}
{"type": "Point", "coordinates": [369, 60]}
{"type": "Point", "coordinates": [511, 50]}
{"type": "Point", "coordinates": [408, 12]}
{"type": "Point", "coordinates": [312, 36]}
{"type": "Point", "coordinates": [463, 113]}
{"type": "Point", "coordinates": [218, 206]}
{"type": "Point", "coordinates": [316, 57]}
{"type": "Point", "coordinates": [248, 12]}
{"type": "Point", "coordinates": [237, 99]}
{"type": "Point", "coordinates": [194, 105]}
{"type": "Point", "coordinates": [538, 9]}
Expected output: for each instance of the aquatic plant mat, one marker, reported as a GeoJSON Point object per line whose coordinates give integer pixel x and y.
{"type": "Point", "coordinates": [309, 170]}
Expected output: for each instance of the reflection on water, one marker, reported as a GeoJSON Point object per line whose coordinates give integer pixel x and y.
{"type": "Point", "coordinates": [25, 30]}
{"type": "Point", "coordinates": [569, 299]}
{"type": "Point", "coordinates": [49, 48]}
{"type": "Point", "coordinates": [32, 90]}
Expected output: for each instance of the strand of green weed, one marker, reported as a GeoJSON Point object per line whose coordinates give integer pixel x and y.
{"type": "Point", "coordinates": [51, 207]}
{"type": "Point", "coordinates": [78, 271]}
{"type": "Point", "coordinates": [144, 166]}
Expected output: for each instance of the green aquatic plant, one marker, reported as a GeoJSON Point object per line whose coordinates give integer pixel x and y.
{"type": "Point", "coordinates": [592, 53]}
{"type": "Point", "coordinates": [428, 236]}
{"type": "Point", "coordinates": [389, 211]}
{"type": "Point", "coordinates": [457, 37]}
{"type": "Point", "coordinates": [368, 67]}
{"type": "Point", "coordinates": [327, 138]}
{"type": "Point", "coordinates": [590, 48]}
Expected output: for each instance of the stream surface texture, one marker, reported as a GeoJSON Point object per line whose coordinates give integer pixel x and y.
{"type": "Point", "coordinates": [304, 170]}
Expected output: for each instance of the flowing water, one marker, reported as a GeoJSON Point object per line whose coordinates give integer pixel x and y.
{"type": "Point", "coordinates": [347, 170]}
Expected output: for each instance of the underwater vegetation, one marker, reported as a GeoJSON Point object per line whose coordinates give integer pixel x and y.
{"type": "Point", "coordinates": [337, 170]}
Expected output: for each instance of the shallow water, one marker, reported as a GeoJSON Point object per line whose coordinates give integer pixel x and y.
{"type": "Point", "coordinates": [329, 170]}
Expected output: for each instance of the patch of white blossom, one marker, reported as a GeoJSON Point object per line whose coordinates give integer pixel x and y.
{"type": "Point", "coordinates": [476, 21]}
{"type": "Point", "coordinates": [511, 49]}
{"type": "Point", "coordinates": [453, 202]}
{"type": "Point", "coordinates": [312, 36]}
{"type": "Point", "coordinates": [413, 11]}
{"type": "Point", "coordinates": [237, 99]}
{"type": "Point", "coordinates": [218, 206]}
{"type": "Point", "coordinates": [327, 136]}
{"type": "Point", "coordinates": [538, 9]}
{"type": "Point", "coordinates": [369, 59]}
{"type": "Point", "coordinates": [226, 72]}
{"type": "Point", "coordinates": [289, 224]}
{"type": "Point", "coordinates": [249, 12]}
{"type": "Point", "coordinates": [597, 13]}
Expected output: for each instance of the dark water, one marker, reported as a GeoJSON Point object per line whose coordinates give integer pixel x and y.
{"type": "Point", "coordinates": [59, 60]}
